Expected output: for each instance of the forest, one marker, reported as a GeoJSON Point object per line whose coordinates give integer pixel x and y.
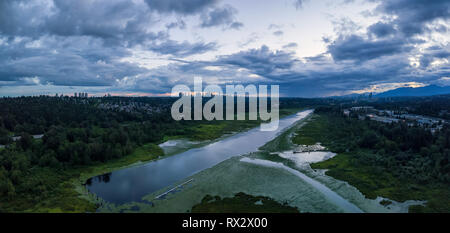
{"type": "Point", "coordinates": [394, 160]}
{"type": "Point", "coordinates": [85, 132]}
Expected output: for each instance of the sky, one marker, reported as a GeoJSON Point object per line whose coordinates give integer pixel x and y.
{"type": "Point", "coordinates": [310, 48]}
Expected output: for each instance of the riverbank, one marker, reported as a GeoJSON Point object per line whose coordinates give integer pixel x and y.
{"type": "Point", "coordinates": [68, 193]}
{"type": "Point", "coordinates": [174, 168]}
{"type": "Point", "coordinates": [235, 175]}
{"type": "Point", "coordinates": [221, 130]}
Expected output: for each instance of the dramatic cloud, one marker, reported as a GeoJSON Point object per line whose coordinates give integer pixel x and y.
{"type": "Point", "coordinates": [149, 46]}
{"type": "Point", "coordinates": [180, 6]}
{"type": "Point", "coordinates": [220, 16]}
{"type": "Point", "coordinates": [357, 48]}
{"type": "Point", "coordinates": [118, 22]}
{"type": "Point", "coordinates": [434, 54]}
{"type": "Point", "coordinates": [83, 43]}
{"type": "Point", "coordinates": [261, 61]}
{"type": "Point", "coordinates": [412, 16]}
{"type": "Point", "coordinates": [405, 38]}
{"type": "Point", "coordinates": [182, 49]}
{"type": "Point", "coordinates": [381, 29]}
{"type": "Point", "coordinates": [85, 65]}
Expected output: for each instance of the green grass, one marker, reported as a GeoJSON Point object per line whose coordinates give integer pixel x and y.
{"type": "Point", "coordinates": [241, 203]}
{"type": "Point", "coordinates": [312, 132]}
{"type": "Point", "coordinates": [143, 153]}
{"type": "Point", "coordinates": [146, 152]}
{"type": "Point", "coordinates": [370, 182]}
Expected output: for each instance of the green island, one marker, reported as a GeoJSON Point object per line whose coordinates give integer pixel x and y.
{"type": "Point", "coordinates": [388, 160]}
{"type": "Point", "coordinates": [241, 203]}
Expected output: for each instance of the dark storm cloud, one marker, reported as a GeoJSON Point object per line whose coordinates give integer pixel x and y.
{"type": "Point", "coordinates": [381, 29]}
{"type": "Point", "coordinates": [359, 49]}
{"type": "Point", "coordinates": [413, 15]}
{"type": "Point", "coordinates": [82, 66]}
{"type": "Point", "coordinates": [432, 54]}
{"type": "Point", "coordinates": [182, 49]}
{"type": "Point", "coordinates": [223, 16]}
{"type": "Point", "coordinates": [180, 6]}
{"type": "Point", "coordinates": [261, 61]}
{"type": "Point", "coordinates": [15, 20]}
{"type": "Point", "coordinates": [391, 37]}
{"type": "Point", "coordinates": [295, 77]}
{"type": "Point", "coordinates": [119, 22]}
{"type": "Point", "coordinates": [82, 43]}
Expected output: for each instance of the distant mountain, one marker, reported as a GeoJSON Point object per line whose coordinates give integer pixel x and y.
{"type": "Point", "coordinates": [419, 91]}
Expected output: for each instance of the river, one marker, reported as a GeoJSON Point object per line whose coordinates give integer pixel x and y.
{"type": "Point", "coordinates": [133, 183]}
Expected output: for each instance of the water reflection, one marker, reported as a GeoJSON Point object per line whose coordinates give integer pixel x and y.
{"type": "Point", "coordinates": [105, 178]}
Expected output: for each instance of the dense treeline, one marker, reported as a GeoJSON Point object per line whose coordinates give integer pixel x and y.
{"type": "Point", "coordinates": [408, 152]}
{"type": "Point", "coordinates": [76, 132]}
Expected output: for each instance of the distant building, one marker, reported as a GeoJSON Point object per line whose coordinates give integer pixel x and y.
{"type": "Point", "coordinates": [382, 119]}
{"type": "Point", "coordinates": [346, 112]}
{"type": "Point", "coordinates": [361, 108]}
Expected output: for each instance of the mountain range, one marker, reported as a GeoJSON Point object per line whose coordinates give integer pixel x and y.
{"type": "Point", "coordinates": [419, 91]}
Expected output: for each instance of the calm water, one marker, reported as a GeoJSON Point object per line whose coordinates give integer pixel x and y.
{"type": "Point", "coordinates": [131, 184]}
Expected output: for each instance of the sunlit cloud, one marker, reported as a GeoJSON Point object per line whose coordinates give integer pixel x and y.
{"type": "Point", "coordinates": [377, 88]}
